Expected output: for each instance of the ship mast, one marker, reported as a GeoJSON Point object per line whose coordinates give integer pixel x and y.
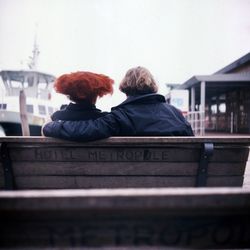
{"type": "Point", "coordinates": [34, 58]}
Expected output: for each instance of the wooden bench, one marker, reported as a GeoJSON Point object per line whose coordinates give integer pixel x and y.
{"type": "Point", "coordinates": [112, 218]}
{"type": "Point", "coordinates": [122, 162]}
{"type": "Point", "coordinates": [193, 218]}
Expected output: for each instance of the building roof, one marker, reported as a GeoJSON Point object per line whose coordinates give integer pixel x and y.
{"type": "Point", "coordinates": [218, 79]}
{"type": "Point", "coordinates": [234, 65]}
{"type": "Point", "coordinates": [218, 84]}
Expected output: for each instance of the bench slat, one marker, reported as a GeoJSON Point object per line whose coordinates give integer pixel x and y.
{"type": "Point", "coordinates": [123, 168]}
{"type": "Point", "coordinates": [131, 140]}
{"type": "Point", "coordinates": [76, 182]}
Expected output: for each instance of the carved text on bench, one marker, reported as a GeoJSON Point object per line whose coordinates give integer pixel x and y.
{"type": "Point", "coordinates": [101, 154]}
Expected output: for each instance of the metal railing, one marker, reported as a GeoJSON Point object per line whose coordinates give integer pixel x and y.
{"type": "Point", "coordinates": [197, 121]}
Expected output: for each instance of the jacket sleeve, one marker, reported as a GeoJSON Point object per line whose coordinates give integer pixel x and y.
{"type": "Point", "coordinates": [90, 130]}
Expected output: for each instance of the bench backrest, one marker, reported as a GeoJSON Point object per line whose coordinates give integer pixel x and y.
{"type": "Point", "coordinates": [139, 218]}
{"type": "Point", "coordinates": [122, 162]}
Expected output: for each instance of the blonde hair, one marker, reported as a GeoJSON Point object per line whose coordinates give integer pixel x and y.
{"type": "Point", "coordinates": [138, 81]}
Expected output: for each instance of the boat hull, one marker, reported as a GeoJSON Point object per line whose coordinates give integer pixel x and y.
{"type": "Point", "coordinates": [15, 129]}
{"type": "Point", "coordinates": [11, 123]}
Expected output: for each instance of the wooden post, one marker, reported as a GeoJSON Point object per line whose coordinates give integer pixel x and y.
{"type": "Point", "coordinates": [23, 114]}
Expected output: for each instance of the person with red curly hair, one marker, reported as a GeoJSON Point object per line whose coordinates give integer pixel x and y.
{"type": "Point", "coordinates": [82, 88]}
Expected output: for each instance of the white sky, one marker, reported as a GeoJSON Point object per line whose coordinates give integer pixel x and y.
{"type": "Point", "coordinates": [174, 39]}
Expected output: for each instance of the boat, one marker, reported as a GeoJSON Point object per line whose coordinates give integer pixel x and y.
{"type": "Point", "coordinates": [37, 87]}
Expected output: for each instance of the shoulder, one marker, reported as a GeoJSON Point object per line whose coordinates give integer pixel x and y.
{"type": "Point", "coordinates": [58, 115]}
{"type": "Point", "coordinates": [141, 99]}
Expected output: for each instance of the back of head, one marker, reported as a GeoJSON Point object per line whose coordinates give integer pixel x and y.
{"type": "Point", "coordinates": [84, 85]}
{"type": "Point", "coordinates": [138, 81]}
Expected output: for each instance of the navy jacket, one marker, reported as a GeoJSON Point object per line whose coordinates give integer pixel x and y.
{"type": "Point", "coordinates": [78, 112]}
{"type": "Point", "coordinates": [145, 115]}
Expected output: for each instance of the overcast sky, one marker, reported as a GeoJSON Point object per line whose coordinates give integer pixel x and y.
{"type": "Point", "coordinates": [174, 39]}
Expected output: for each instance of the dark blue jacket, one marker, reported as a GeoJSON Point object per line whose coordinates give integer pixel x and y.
{"type": "Point", "coordinates": [145, 115]}
{"type": "Point", "coordinates": [78, 112]}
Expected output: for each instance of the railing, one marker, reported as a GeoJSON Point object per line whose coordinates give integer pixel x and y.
{"type": "Point", "coordinates": [197, 121]}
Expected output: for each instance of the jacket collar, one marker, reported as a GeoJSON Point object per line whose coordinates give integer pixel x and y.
{"type": "Point", "coordinates": [83, 105]}
{"type": "Point", "coordinates": [141, 98]}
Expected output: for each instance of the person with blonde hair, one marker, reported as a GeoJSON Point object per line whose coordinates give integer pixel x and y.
{"type": "Point", "coordinates": [143, 113]}
{"type": "Point", "coordinates": [138, 81]}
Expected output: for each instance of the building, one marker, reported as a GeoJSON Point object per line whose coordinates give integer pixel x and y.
{"type": "Point", "coordinates": [221, 102]}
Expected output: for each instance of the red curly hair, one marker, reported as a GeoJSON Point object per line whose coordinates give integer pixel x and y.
{"type": "Point", "coordinates": [84, 85]}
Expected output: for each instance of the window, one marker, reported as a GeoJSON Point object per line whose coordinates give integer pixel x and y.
{"type": "Point", "coordinates": [222, 107]}
{"type": "Point", "coordinates": [3, 106]}
{"type": "Point", "coordinates": [16, 84]}
{"type": "Point", "coordinates": [214, 109]}
{"type": "Point", "coordinates": [25, 85]}
{"type": "Point", "coordinates": [42, 85]}
{"type": "Point", "coordinates": [50, 110]}
{"type": "Point", "coordinates": [30, 81]}
{"type": "Point", "coordinates": [42, 110]}
{"type": "Point", "coordinates": [30, 108]}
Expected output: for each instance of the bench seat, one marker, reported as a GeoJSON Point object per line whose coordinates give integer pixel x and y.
{"type": "Point", "coordinates": [194, 218]}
